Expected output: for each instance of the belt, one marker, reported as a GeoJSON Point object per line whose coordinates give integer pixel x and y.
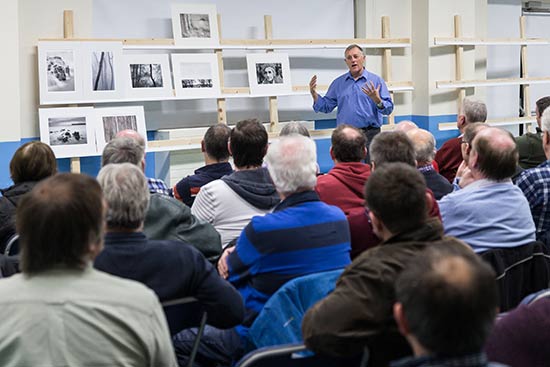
{"type": "Point", "coordinates": [370, 127]}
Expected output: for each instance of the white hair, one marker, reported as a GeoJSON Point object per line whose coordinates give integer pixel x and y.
{"type": "Point", "coordinates": [545, 120]}
{"type": "Point", "coordinates": [474, 110]}
{"type": "Point", "coordinates": [292, 164]}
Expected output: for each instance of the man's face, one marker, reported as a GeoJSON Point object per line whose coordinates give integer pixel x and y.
{"type": "Point", "coordinates": [355, 60]}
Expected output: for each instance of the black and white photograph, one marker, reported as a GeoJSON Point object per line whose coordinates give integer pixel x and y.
{"type": "Point", "coordinates": [103, 70]}
{"type": "Point", "coordinates": [269, 73]}
{"type": "Point", "coordinates": [146, 75]}
{"type": "Point", "coordinates": [60, 71]}
{"type": "Point", "coordinates": [196, 75]}
{"type": "Point", "coordinates": [67, 130]}
{"type": "Point", "coordinates": [113, 124]}
{"type": "Point", "coordinates": [195, 25]}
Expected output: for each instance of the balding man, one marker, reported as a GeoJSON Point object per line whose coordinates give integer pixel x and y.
{"type": "Point", "coordinates": [490, 212]}
{"type": "Point", "coordinates": [424, 149]}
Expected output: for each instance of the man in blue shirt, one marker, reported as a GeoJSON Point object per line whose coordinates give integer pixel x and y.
{"type": "Point", "coordinates": [361, 96]}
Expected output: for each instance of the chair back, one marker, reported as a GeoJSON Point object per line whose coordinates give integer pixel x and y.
{"type": "Point", "coordinates": [520, 271]}
{"type": "Point", "coordinates": [12, 247]}
{"type": "Point", "coordinates": [183, 313]}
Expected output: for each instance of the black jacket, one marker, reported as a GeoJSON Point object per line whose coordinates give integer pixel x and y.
{"type": "Point", "coordinates": [8, 203]}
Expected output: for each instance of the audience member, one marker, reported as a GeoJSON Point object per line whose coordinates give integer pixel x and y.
{"type": "Point", "coordinates": [447, 300]}
{"type": "Point", "coordinates": [294, 127]}
{"type": "Point", "coordinates": [463, 175]}
{"type": "Point", "coordinates": [535, 184]}
{"type": "Point", "coordinates": [155, 184]}
{"type": "Point", "coordinates": [216, 160]}
{"type": "Point", "coordinates": [230, 202]}
{"type": "Point", "coordinates": [61, 311]}
{"type": "Point", "coordinates": [31, 162]}
{"type": "Point", "coordinates": [405, 126]}
{"type": "Point", "coordinates": [359, 311]}
{"type": "Point", "coordinates": [424, 148]}
{"type": "Point", "coordinates": [490, 212]}
{"type": "Point", "coordinates": [531, 152]}
{"type": "Point", "coordinates": [172, 269]}
{"type": "Point", "coordinates": [302, 236]}
{"type": "Point", "coordinates": [449, 156]}
{"type": "Point", "coordinates": [343, 185]}
{"type": "Point", "coordinates": [166, 218]}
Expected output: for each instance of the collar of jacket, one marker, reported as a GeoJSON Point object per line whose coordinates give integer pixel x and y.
{"type": "Point", "coordinates": [297, 198]}
{"type": "Point", "coordinates": [432, 230]}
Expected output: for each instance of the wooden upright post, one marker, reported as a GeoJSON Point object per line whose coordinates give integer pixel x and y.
{"type": "Point", "coordinates": [273, 105]}
{"type": "Point", "coordinates": [459, 56]}
{"type": "Point", "coordinates": [68, 32]}
{"type": "Point", "coordinates": [386, 62]}
{"type": "Point", "coordinates": [524, 73]}
{"type": "Point", "coordinates": [222, 111]}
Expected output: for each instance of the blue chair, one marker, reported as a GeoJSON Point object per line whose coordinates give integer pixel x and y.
{"type": "Point", "coordinates": [296, 355]}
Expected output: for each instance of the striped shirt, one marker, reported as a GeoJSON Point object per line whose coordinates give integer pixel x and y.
{"type": "Point", "coordinates": [535, 184]}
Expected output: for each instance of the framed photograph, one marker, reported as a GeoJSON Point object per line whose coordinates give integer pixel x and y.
{"type": "Point", "coordinates": [103, 75]}
{"type": "Point", "coordinates": [195, 24]}
{"type": "Point", "coordinates": [268, 74]}
{"type": "Point", "coordinates": [70, 132]}
{"type": "Point", "coordinates": [109, 121]}
{"type": "Point", "coordinates": [148, 75]}
{"type": "Point", "coordinates": [196, 75]}
{"type": "Point", "coordinates": [60, 71]}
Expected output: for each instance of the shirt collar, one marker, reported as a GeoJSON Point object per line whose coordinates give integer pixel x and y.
{"type": "Point", "coordinates": [297, 198]}
{"type": "Point", "coordinates": [116, 238]}
{"type": "Point", "coordinates": [364, 74]}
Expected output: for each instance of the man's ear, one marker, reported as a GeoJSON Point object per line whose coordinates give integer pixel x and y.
{"type": "Point", "coordinates": [429, 202]}
{"type": "Point", "coordinates": [460, 121]}
{"type": "Point", "coordinates": [400, 319]}
{"type": "Point", "coordinates": [143, 164]}
{"type": "Point", "coordinates": [364, 153]}
{"type": "Point", "coordinates": [229, 148]}
{"type": "Point", "coordinates": [377, 225]}
{"type": "Point", "coordinates": [331, 153]}
{"type": "Point", "coordinates": [203, 149]}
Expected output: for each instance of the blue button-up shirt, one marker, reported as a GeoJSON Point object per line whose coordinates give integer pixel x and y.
{"type": "Point", "coordinates": [354, 106]}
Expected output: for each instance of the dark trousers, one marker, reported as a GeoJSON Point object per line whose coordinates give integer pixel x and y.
{"type": "Point", "coordinates": [370, 132]}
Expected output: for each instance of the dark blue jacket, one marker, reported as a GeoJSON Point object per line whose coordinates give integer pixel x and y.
{"type": "Point", "coordinates": [188, 187]}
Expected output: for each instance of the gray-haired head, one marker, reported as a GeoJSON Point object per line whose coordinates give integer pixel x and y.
{"type": "Point", "coordinates": [126, 192]}
{"type": "Point", "coordinates": [352, 46]}
{"type": "Point", "coordinates": [294, 127]}
{"type": "Point", "coordinates": [123, 150]}
{"type": "Point", "coordinates": [132, 134]}
{"type": "Point", "coordinates": [474, 110]}
{"type": "Point", "coordinates": [392, 146]}
{"type": "Point", "coordinates": [405, 126]}
{"type": "Point", "coordinates": [424, 146]}
{"type": "Point", "coordinates": [292, 164]}
{"type": "Point", "coordinates": [545, 120]}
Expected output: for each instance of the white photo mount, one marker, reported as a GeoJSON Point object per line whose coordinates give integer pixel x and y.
{"type": "Point", "coordinates": [196, 75]}
{"type": "Point", "coordinates": [60, 71]}
{"type": "Point", "coordinates": [111, 120]}
{"type": "Point", "coordinates": [148, 75]}
{"type": "Point", "coordinates": [103, 67]}
{"type": "Point", "coordinates": [268, 74]}
{"type": "Point", "coordinates": [195, 25]}
{"type": "Point", "coordinates": [70, 131]}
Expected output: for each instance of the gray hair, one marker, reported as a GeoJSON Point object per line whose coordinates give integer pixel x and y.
{"type": "Point", "coordinates": [122, 150]}
{"type": "Point", "coordinates": [294, 127]}
{"type": "Point", "coordinates": [424, 145]}
{"type": "Point", "coordinates": [126, 192]}
{"type": "Point", "coordinates": [392, 146]}
{"type": "Point", "coordinates": [405, 126]}
{"type": "Point", "coordinates": [352, 46]}
{"type": "Point", "coordinates": [474, 110]}
{"type": "Point", "coordinates": [292, 164]}
{"type": "Point", "coordinates": [545, 120]}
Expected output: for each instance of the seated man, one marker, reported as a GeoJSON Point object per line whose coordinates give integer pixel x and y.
{"type": "Point", "coordinates": [531, 152]}
{"type": "Point", "coordinates": [216, 159]}
{"type": "Point", "coordinates": [171, 268]}
{"type": "Point", "coordinates": [447, 300]}
{"type": "Point", "coordinates": [449, 156]}
{"type": "Point", "coordinates": [535, 184]}
{"type": "Point", "coordinates": [230, 202]}
{"type": "Point", "coordinates": [359, 311]}
{"type": "Point", "coordinates": [61, 311]}
{"type": "Point", "coordinates": [424, 149]}
{"type": "Point", "coordinates": [302, 236]}
{"type": "Point", "coordinates": [166, 218]}
{"type": "Point", "coordinates": [490, 212]}
{"type": "Point", "coordinates": [343, 185]}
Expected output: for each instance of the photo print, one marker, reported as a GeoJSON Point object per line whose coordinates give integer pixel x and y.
{"type": "Point", "coordinates": [148, 75]}
{"type": "Point", "coordinates": [196, 75]}
{"type": "Point", "coordinates": [111, 120]}
{"type": "Point", "coordinates": [60, 71]}
{"type": "Point", "coordinates": [268, 74]}
{"type": "Point", "coordinates": [70, 131]}
{"type": "Point", "coordinates": [103, 62]}
{"type": "Point", "coordinates": [195, 24]}
{"type": "Point", "coordinates": [103, 70]}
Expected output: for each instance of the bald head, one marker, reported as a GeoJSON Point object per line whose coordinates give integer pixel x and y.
{"type": "Point", "coordinates": [494, 154]}
{"type": "Point", "coordinates": [424, 146]}
{"type": "Point", "coordinates": [132, 134]}
{"type": "Point", "coordinates": [405, 126]}
{"type": "Point", "coordinates": [348, 144]}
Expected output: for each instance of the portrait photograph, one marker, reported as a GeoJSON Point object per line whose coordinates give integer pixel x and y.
{"type": "Point", "coordinates": [111, 120]}
{"type": "Point", "coordinates": [148, 75]}
{"type": "Point", "coordinates": [269, 74]}
{"type": "Point", "coordinates": [70, 132]}
{"type": "Point", "coordinates": [104, 77]}
{"type": "Point", "coordinates": [196, 75]}
{"type": "Point", "coordinates": [195, 24]}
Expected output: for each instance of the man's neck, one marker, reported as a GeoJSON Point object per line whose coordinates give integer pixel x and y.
{"type": "Point", "coordinates": [208, 160]}
{"type": "Point", "coordinates": [124, 230]}
{"type": "Point", "coordinates": [358, 74]}
{"type": "Point", "coordinates": [246, 168]}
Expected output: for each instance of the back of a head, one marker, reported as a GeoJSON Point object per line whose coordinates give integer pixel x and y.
{"type": "Point", "coordinates": [31, 162]}
{"type": "Point", "coordinates": [348, 144]}
{"type": "Point", "coordinates": [58, 221]}
{"type": "Point", "coordinates": [497, 153]}
{"type": "Point", "coordinates": [542, 104]}
{"type": "Point", "coordinates": [471, 130]}
{"type": "Point", "coordinates": [294, 127]}
{"type": "Point", "coordinates": [215, 142]}
{"type": "Point", "coordinates": [127, 195]}
{"type": "Point", "coordinates": [424, 145]}
{"type": "Point", "coordinates": [292, 164]}
{"type": "Point", "coordinates": [392, 146]}
{"type": "Point", "coordinates": [122, 150]}
{"type": "Point", "coordinates": [396, 194]}
{"type": "Point", "coordinates": [449, 298]}
{"type": "Point", "coordinates": [474, 110]}
{"type": "Point", "coordinates": [248, 142]}
{"type": "Point", "coordinates": [545, 120]}
{"type": "Point", "coordinates": [132, 134]}
{"type": "Point", "coordinates": [405, 126]}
